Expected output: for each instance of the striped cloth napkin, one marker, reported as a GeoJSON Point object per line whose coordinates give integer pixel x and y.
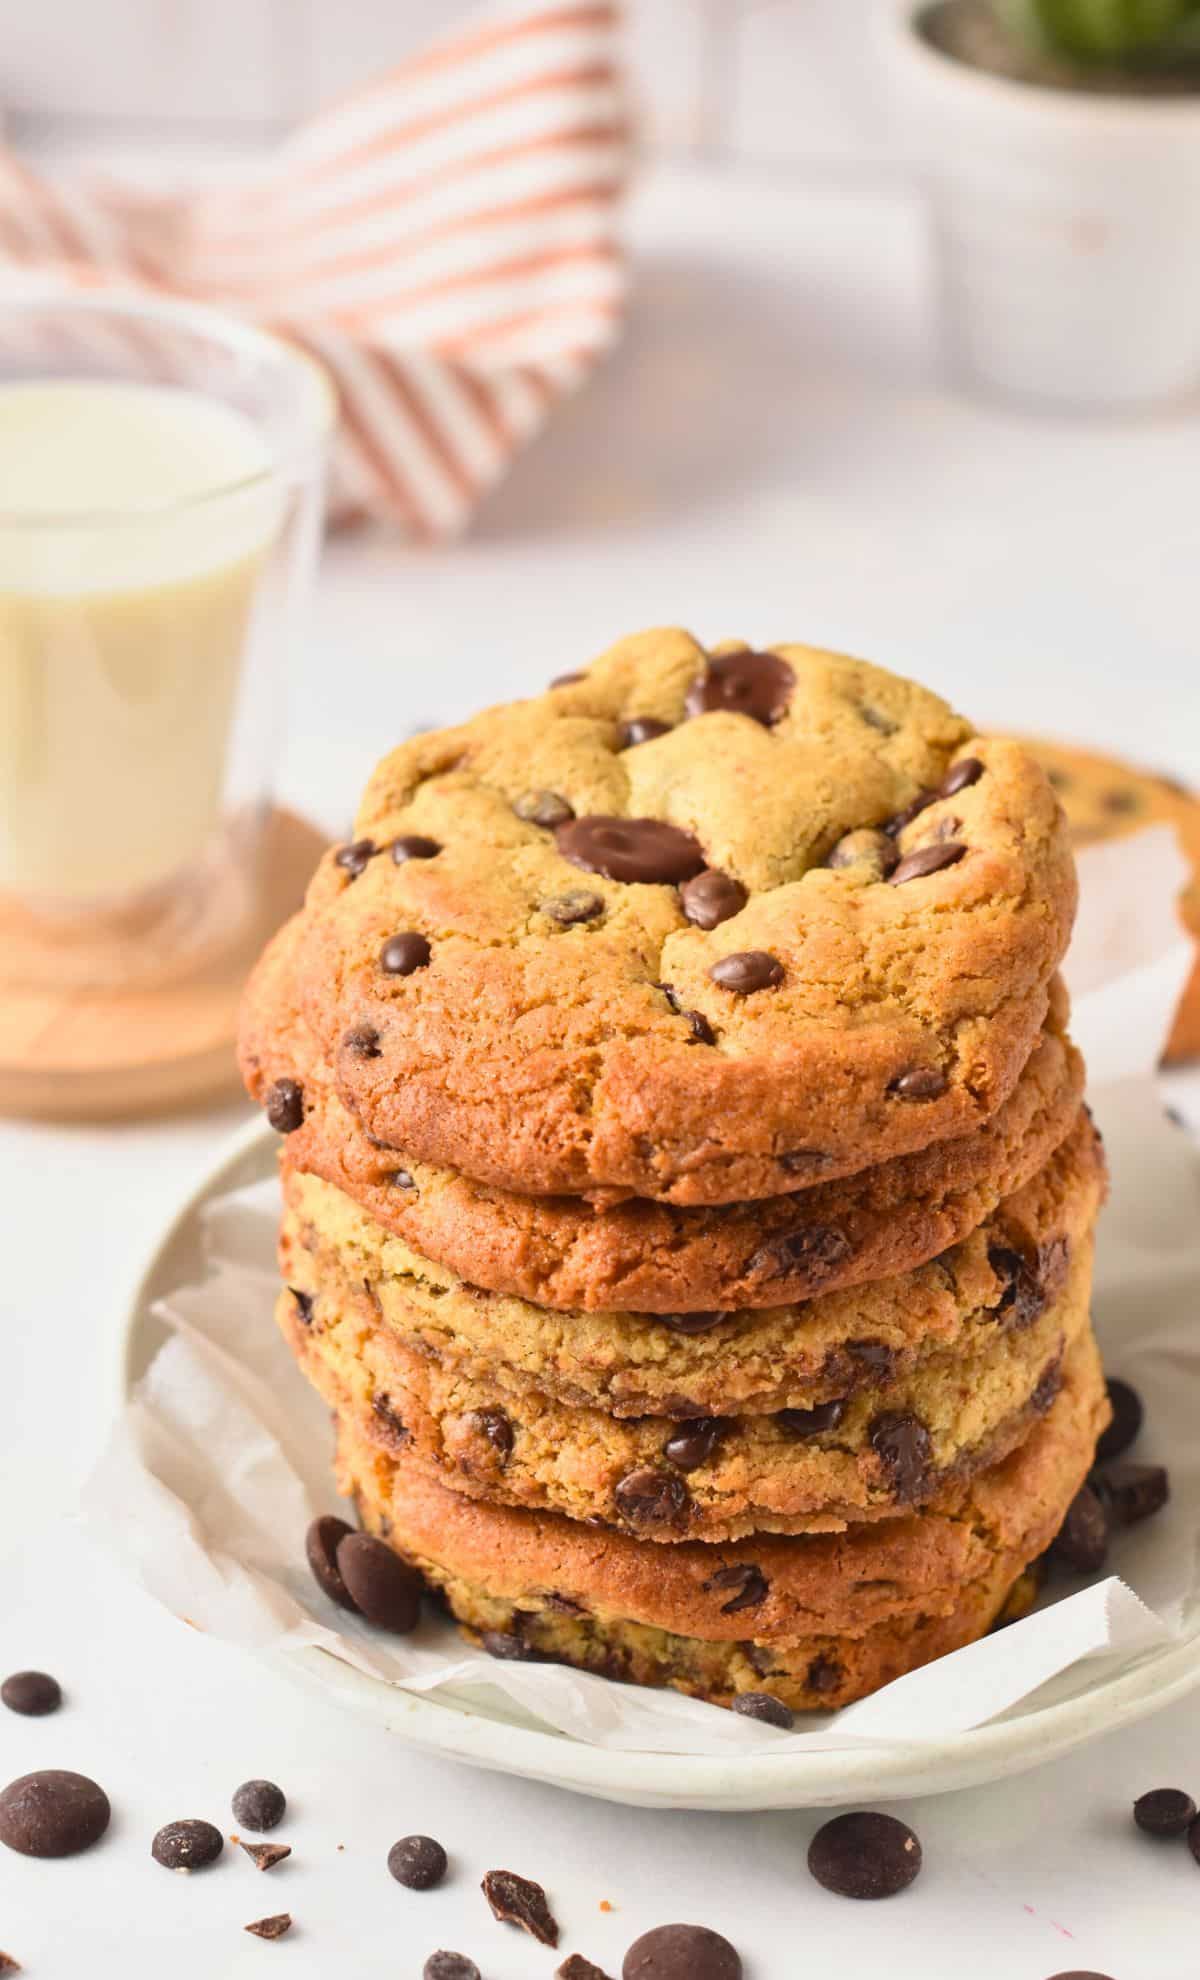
{"type": "Point", "coordinates": [445, 240]}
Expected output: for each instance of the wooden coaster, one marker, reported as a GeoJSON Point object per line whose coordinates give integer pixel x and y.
{"type": "Point", "coordinates": [73, 1053]}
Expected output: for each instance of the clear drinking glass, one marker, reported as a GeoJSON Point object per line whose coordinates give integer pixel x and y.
{"type": "Point", "coordinates": [161, 484]}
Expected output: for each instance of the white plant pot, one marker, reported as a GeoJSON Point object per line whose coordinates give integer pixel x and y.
{"type": "Point", "coordinates": [1067, 227]}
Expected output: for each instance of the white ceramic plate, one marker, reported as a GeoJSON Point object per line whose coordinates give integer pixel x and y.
{"type": "Point", "coordinates": [1092, 1698]}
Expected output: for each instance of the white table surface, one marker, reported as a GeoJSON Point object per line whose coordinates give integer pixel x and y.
{"type": "Point", "coordinates": [771, 454]}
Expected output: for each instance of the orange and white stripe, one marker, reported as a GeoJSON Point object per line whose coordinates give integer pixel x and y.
{"type": "Point", "coordinates": [446, 241]}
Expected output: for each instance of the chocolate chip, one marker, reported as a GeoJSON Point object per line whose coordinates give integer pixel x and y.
{"type": "Point", "coordinates": [640, 729]}
{"type": "Point", "coordinates": [573, 907]}
{"type": "Point", "coordinates": [630, 849]}
{"type": "Point", "coordinates": [265, 1856]}
{"type": "Point", "coordinates": [354, 859]}
{"type": "Point", "coordinates": [1193, 1838]}
{"type": "Point", "coordinates": [567, 680]}
{"type": "Point", "coordinates": [363, 1041]}
{"type": "Point", "coordinates": [1081, 1546]}
{"type": "Point", "coordinates": [922, 1083]}
{"type": "Point", "coordinates": [575, 1967]}
{"type": "Point", "coordinates": [697, 1441]}
{"type": "Point", "coordinates": [899, 819]}
{"type": "Point", "coordinates": [748, 1583]}
{"type": "Point", "coordinates": [648, 1497]}
{"type": "Point", "coordinates": [1132, 1492]}
{"type": "Point", "coordinates": [565, 1605]}
{"type": "Point", "coordinates": [681, 1952]}
{"type": "Point", "coordinates": [508, 1648]}
{"type": "Point", "coordinates": [712, 897]}
{"type": "Point", "coordinates": [391, 1419]}
{"type": "Point", "coordinates": [769, 1711]}
{"type": "Point", "coordinates": [875, 1355]}
{"type": "Point", "coordinates": [31, 1693]}
{"type": "Point", "coordinates": [383, 1588]}
{"type": "Point", "coordinates": [1049, 1386]}
{"type": "Point", "coordinates": [449, 1966]}
{"type": "Point", "coordinates": [865, 1855]}
{"type": "Point", "coordinates": [517, 1901]}
{"type": "Point", "coordinates": [804, 1423]}
{"type": "Point", "coordinates": [960, 777]}
{"type": "Point", "coordinates": [496, 1426]}
{"type": "Point", "coordinates": [1077, 1973]}
{"type": "Point", "coordinates": [1164, 1812]}
{"type": "Point", "coordinates": [1127, 1417]}
{"type": "Point", "coordinates": [810, 1248]}
{"type": "Point", "coordinates": [402, 954]}
{"type": "Point", "coordinates": [321, 1542]}
{"type": "Point", "coordinates": [543, 808]}
{"type": "Point", "coordinates": [871, 850]}
{"type": "Point", "coordinates": [803, 1161]}
{"type": "Point", "coordinates": [756, 684]}
{"type": "Point", "coordinates": [259, 1806]}
{"type": "Point", "coordinates": [927, 859]}
{"type": "Point", "coordinates": [1023, 1299]}
{"type": "Point", "coordinates": [417, 1862]}
{"type": "Point", "coordinates": [905, 1449]}
{"type": "Point", "coordinates": [304, 1305]}
{"type": "Point", "coordinates": [53, 1813]}
{"type": "Point", "coordinates": [700, 1028]}
{"type": "Point", "coordinates": [747, 971]}
{"type": "Point", "coordinates": [414, 845]}
{"type": "Point", "coordinates": [877, 720]}
{"type": "Point", "coordinates": [824, 1674]}
{"type": "Point", "coordinates": [689, 1323]}
{"type": "Point", "coordinates": [187, 1845]}
{"type": "Point", "coordinates": [271, 1928]}
{"type": "Point", "coordinates": [285, 1106]}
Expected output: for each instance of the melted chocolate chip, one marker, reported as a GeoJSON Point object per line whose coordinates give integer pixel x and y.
{"type": "Point", "coordinates": [767, 1710]}
{"type": "Point", "coordinates": [187, 1845]}
{"type": "Point", "coordinates": [824, 1675]}
{"type": "Point", "coordinates": [543, 808]}
{"type": "Point", "coordinates": [630, 849]}
{"type": "Point", "coordinates": [508, 1648]}
{"type": "Point", "coordinates": [259, 1806]}
{"type": "Point", "coordinates": [640, 729]}
{"type": "Point", "coordinates": [873, 851]}
{"type": "Point", "coordinates": [1082, 1543]}
{"type": "Point", "coordinates": [747, 971]}
{"type": "Point", "coordinates": [700, 1028]}
{"type": "Point", "coordinates": [573, 907]}
{"type": "Point", "coordinates": [382, 1587]}
{"type": "Point", "coordinates": [649, 1497]}
{"type": "Point", "coordinates": [689, 1323]}
{"type": "Point", "coordinates": [681, 1952]}
{"type": "Point", "coordinates": [894, 825]}
{"type": "Point", "coordinates": [756, 684]}
{"type": "Point", "coordinates": [814, 1422]}
{"type": "Point", "coordinates": [496, 1426]}
{"type": "Point", "coordinates": [404, 953]}
{"type": "Point", "coordinates": [904, 1448]}
{"type": "Point", "coordinates": [1132, 1492]}
{"type": "Point", "coordinates": [285, 1106]}
{"type": "Point", "coordinates": [960, 777]}
{"type": "Point", "coordinates": [414, 845]}
{"type": "Point", "coordinates": [1023, 1299]}
{"type": "Point", "coordinates": [392, 1421]}
{"type": "Point", "coordinates": [1049, 1386]}
{"type": "Point", "coordinates": [417, 1862]}
{"type": "Point", "coordinates": [875, 1355]}
{"type": "Point", "coordinates": [922, 1083]}
{"type": "Point", "coordinates": [517, 1901]}
{"type": "Point", "coordinates": [697, 1441]}
{"type": "Point", "coordinates": [354, 859]}
{"type": "Point", "coordinates": [711, 898]}
{"type": "Point", "coordinates": [321, 1543]}
{"type": "Point", "coordinates": [362, 1041]}
{"type": "Point", "coordinates": [748, 1583]}
{"type": "Point", "coordinates": [813, 1249]}
{"type": "Point", "coordinates": [1127, 1416]}
{"type": "Point", "coordinates": [865, 1855]}
{"type": "Point", "coordinates": [926, 860]}
{"type": "Point", "coordinates": [33, 1694]}
{"type": "Point", "coordinates": [304, 1305]}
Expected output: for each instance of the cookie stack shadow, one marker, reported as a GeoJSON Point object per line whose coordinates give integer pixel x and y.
{"type": "Point", "coordinates": [688, 1192]}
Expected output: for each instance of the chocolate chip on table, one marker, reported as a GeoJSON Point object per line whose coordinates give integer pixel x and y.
{"type": "Point", "coordinates": [574, 907]}
{"type": "Point", "coordinates": [354, 859]}
{"type": "Point", "coordinates": [517, 1901]}
{"type": "Point", "coordinates": [747, 971]}
{"type": "Point", "coordinates": [865, 1855]}
{"type": "Point", "coordinates": [803, 1423]}
{"type": "Point", "coordinates": [405, 953]}
{"type": "Point", "coordinates": [756, 684]}
{"type": "Point", "coordinates": [1081, 1546]}
{"type": "Point", "coordinates": [187, 1845]}
{"type": "Point", "coordinates": [927, 859]}
{"type": "Point", "coordinates": [960, 777]}
{"type": "Point", "coordinates": [1164, 1812]}
{"type": "Point", "coordinates": [52, 1813]}
{"type": "Point", "coordinates": [922, 1083]}
{"type": "Point", "coordinates": [746, 1584]}
{"type": "Point", "coordinates": [417, 1862]}
{"type": "Point", "coordinates": [681, 1952]}
{"type": "Point", "coordinates": [382, 1587]}
{"type": "Point", "coordinates": [640, 729]}
{"type": "Point", "coordinates": [711, 898]}
{"type": "Point", "coordinates": [632, 850]}
{"type": "Point", "coordinates": [1130, 1493]}
{"type": "Point", "coordinates": [31, 1693]}
{"type": "Point", "coordinates": [321, 1542]}
{"type": "Point", "coordinates": [414, 845]}
{"type": "Point", "coordinates": [259, 1806]}
{"type": "Point", "coordinates": [1127, 1417]}
{"type": "Point", "coordinates": [905, 1449]}
{"type": "Point", "coordinates": [648, 1497]}
{"type": "Point", "coordinates": [273, 1927]}
{"type": "Point", "coordinates": [543, 808]}
{"type": "Point", "coordinates": [574, 1967]}
{"type": "Point", "coordinates": [696, 1441]}
{"type": "Point", "coordinates": [265, 1856]}
{"type": "Point", "coordinates": [449, 1966]}
{"type": "Point", "coordinates": [690, 1323]}
{"type": "Point", "coordinates": [363, 1041]}
{"type": "Point", "coordinates": [768, 1710]}
{"type": "Point", "coordinates": [285, 1106]}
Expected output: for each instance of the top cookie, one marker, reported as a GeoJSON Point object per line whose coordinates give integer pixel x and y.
{"type": "Point", "coordinates": [695, 927]}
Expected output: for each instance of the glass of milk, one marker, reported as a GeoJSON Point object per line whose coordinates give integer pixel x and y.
{"type": "Point", "coordinates": [161, 476]}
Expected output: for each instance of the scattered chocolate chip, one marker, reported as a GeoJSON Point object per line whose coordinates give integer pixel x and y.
{"type": "Point", "coordinates": [865, 1855]}
{"type": "Point", "coordinates": [824, 1674]}
{"type": "Point", "coordinates": [574, 907]}
{"type": "Point", "coordinates": [804, 1423]}
{"type": "Point", "coordinates": [507, 1647]}
{"type": "Point", "coordinates": [681, 1952]}
{"type": "Point", "coordinates": [391, 1419]}
{"type": "Point", "coordinates": [517, 1901]}
{"type": "Point", "coordinates": [922, 1083]}
{"type": "Point", "coordinates": [630, 849]}
{"type": "Point", "coordinates": [1082, 1543]}
{"type": "Point", "coordinates": [417, 1862]}
{"type": "Point", "coordinates": [696, 1442]}
{"type": "Point", "coordinates": [811, 1248]}
{"type": "Point", "coordinates": [755, 684]}
{"type": "Point", "coordinates": [567, 680]}
{"type": "Point", "coordinates": [640, 729]}
{"type": "Point", "coordinates": [321, 1542]}
{"type": "Point", "coordinates": [187, 1845]}
{"type": "Point", "coordinates": [689, 1323]}
{"type": "Point", "coordinates": [577, 1968]}
{"type": "Point", "coordinates": [711, 898]}
{"type": "Point", "coordinates": [1127, 1417]}
{"type": "Point", "coordinates": [31, 1693]}
{"type": "Point", "coordinates": [449, 1966]}
{"type": "Point", "coordinates": [760, 1705]}
{"type": "Point", "coordinates": [53, 1813]}
{"type": "Point", "coordinates": [265, 1856]}
{"type": "Point", "coordinates": [927, 859]}
{"type": "Point", "coordinates": [285, 1106]}
{"type": "Point", "coordinates": [649, 1497]}
{"type": "Point", "coordinates": [414, 845]}
{"type": "Point", "coordinates": [960, 776]}
{"type": "Point", "coordinates": [748, 1583]}
{"type": "Point", "coordinates": [543, 808]}
{"type": "Point", "coordinates": [496, 1426]}
{"type": "Point", "coordinates": [271, 1928]}
{"type": "Point", "coordinates": [905, 1449]}
{"type": "Point", "coordinates": [1164, 1812]}
{"type": "Point", "coordinates": [259, 1806]}
{"type": "Point", "coordinates": [1132, 1492]}
{"type": "Point", "coordinates": [385, 1589]}
{"type": "Point", "coordinates": [354, 859]}
{"type": "Point", "coordinates": [363, 1041]}
{"type": "Point", "coordinates": [403, 954]}
{"type": "Point", "coordinates": [304, 1305]}
{"type": "Point", "coordinates": [899, 819]}
{"type": "Point", "coordinates": [1023, 1299]}
{"type": "Point", "coordinates": [747, 971]}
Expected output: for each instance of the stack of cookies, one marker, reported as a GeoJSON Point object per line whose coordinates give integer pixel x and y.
{"type": "Point", "coordinates": [688, 1192]}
